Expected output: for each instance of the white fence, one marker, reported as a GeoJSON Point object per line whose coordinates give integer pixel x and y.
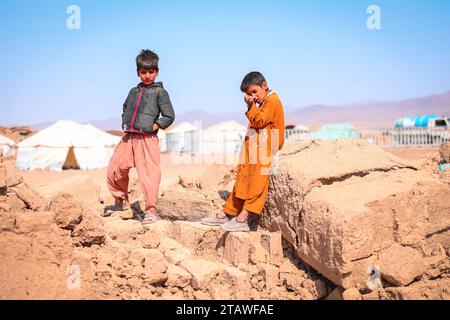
{"type": "Point", "coordinates": [407, 137]}
{"type": "Point", "coordinates": [198, 142]}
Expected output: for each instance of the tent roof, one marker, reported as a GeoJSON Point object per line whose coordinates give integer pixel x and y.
{"type": "Point", "coordinates": [4, 140]}
{"type": "Point", "coordinates": [301, 127]}
{"type": "Point", "coordinates": [184, 127]}
{"type": "Point", "coordinates": [109, 139]}
{"type": "Point", "coordinates": [228, 126]}
{"type": "Point", "coordinates": [66, 133]}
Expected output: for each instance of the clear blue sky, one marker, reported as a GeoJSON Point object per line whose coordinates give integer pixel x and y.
{"type": "Point", "coordinates": [310, 52]}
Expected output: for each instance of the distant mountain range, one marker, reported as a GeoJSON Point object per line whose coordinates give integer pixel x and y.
{"type": "Point", "coordinates": [373, 114]}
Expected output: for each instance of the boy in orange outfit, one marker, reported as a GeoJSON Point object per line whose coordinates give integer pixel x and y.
{"type": "Point", "coordinates": [265, 136]}
{"type": "Point", "coordinates": [146, 110]}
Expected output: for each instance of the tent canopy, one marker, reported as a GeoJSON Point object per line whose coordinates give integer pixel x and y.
{"type": "Point", "coordinates": [228, 126]}
{"type": "Point", "coordinates": [301, 127]}
{"type": "Point", "coordinates": [66, 144]}
{"type": "Point", "coordinates": [7, 146]}
{"type": "Point", "coordinates": [6, 141]}
{"type": "Point", "coordinates": [109, 139]}
{"type": "Point", "coordinates": [184, 127]}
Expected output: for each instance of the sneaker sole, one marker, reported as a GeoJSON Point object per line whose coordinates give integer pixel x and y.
{"type": "Point", "coordinates": [212, 223]}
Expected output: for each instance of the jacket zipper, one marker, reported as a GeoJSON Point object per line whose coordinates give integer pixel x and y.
{"type": "Point", "coordinates": [136, 109]}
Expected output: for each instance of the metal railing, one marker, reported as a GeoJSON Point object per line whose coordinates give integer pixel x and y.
{"type": "Point", "coordinates": [393, 137]}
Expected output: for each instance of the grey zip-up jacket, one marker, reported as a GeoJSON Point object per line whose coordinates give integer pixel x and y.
{"type": "Point", "coordinates": [146, 106]}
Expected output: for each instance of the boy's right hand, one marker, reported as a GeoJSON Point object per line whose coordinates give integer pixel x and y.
{"type": "Point", "coordinates": [248, 100]}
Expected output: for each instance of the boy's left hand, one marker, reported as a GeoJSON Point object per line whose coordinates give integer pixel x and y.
{"type": "Point", "coordinates": [248, 100]}
{"type": "Point", "coordinates": [155, 127]}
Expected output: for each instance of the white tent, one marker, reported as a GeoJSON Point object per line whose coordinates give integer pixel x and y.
{"type": "Point", "coordinates": [110, 140]}
{"type": "Point", "coordinates": [7, 146]}
{"type": "Point", "coordinates": [66, 144]}
{"type": "Point", "coordinates": [301, 128]}
{"type": "Point", "coordinates": [298, 133]}
{"type": "Point", "coordinates": [162, 140]}
{"type": "Point", "coordinates": [185, 137]}
{"type": "Point", "coordinates": [224, 137]}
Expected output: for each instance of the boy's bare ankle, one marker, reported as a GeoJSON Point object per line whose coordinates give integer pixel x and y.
{"type": "Point", "coordinates": [221, 215]}
{"type": "Point", "coordinates": [122, 204]}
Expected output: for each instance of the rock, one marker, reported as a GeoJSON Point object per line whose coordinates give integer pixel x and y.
{"type": "Point", "coordinates": [81, 187]}
{"type": "Point", "coordinates": [30, 197]}
{"type": "Point", "coordinates": [336, 294]}
{"type": "Point", "coordinates": [444, 152]}
{"type": "Point", "coordinates": [401, 265]}
{"type": "Point", "coordinates": [176, 256]}
{"type": "Point", "coordinates": [189, 182]}
{"type": "Point", "coordinates": [15, 203]}
{"type": "Point", "coordinates": [90, 231]}
{"type": "Point", "coordinates": [271, 242]}
{"type": "Point", "coordinates": [292, 282]}
{"type": "Point", "coordinates": [351, 294]}
{"type": "Point", "coordinates": [188, 204]}
{"type": "Point", "coordinates": [257, 253]}
{"type": "Point", "coordinates": [123, 230]}
{"type": "Point", "coordinates": [13, 180]}
{"type": "Point", "coordinates": [204, 240]}
{"type": "Point", "coordinates": [437, 289]}
{"type": "Point", "coordinates": [7, 221]}
{"type": "Point", "coordinates": [5, 207]}
{"type": "Point", "coordinates": [338, 216]}
{"type": "Point", "coordinates": [303, 294]}
{"type": "Point", "coordinates": [126, 214]}
{"type": "Point", "coordinates": [270, 275]}
{"type": "Point", "coordinates": [151, 240]}
{"type": "Point", "coordinates": [153, 265]}
{"type": "Point", "coordinates": [3, 183]}
{"type": "Point", "coordinates": [167, 244]}
{"type": "Point", "coordinates": [68, 211]}
{"type": "Point", "coordinates": [239, 283]}
{"type": "Point", "coordinates": [28, 223]}
{"type": "Point", "coordinates": [237, 248]}
{"type": "Point", "coordinates": [316, 287]}
{"type": "Point", "coordinates": [202, 271]}
{"type": "Point", "coordinates": [177, 277]}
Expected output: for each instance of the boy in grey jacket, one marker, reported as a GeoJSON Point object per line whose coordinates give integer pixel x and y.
{"type": "Point", "coordinates": [146, 110]}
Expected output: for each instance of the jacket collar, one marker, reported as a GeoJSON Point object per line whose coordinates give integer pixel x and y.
{"type": "Point", "coordinates": [155, 84]}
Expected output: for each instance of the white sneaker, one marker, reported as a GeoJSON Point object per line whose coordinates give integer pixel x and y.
{"type": "Point", "coordinates": [233, 225]}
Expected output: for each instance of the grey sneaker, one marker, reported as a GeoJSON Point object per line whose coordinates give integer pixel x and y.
{"type": "Point", "coordinates": [234, 225]}
{"type": "Point", "coordinates": [117, 207]}
{"type": "Point", "coordinates": [149, 218]}
{"type": "Point", "coordinates": [214, 220]}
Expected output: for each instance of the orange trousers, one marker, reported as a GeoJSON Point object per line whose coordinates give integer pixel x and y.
{"type": "Point", "coordinates": [234, 205]}
{"type": "Point", "coordinates": [142, 152]}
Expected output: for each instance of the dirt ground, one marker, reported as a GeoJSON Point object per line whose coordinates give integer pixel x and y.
{"type": "Point", "coordinates": [414, 153]}
{"type": "Point", "coordinates": [172, 167]}
{"type": "Point", "coordinates": [45, 236]}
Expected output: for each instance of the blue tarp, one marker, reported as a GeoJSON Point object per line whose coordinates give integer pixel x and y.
{"type": "Point", "coordinates": [414, 121]}
{"type": "Point", "coordinates": [336, 131]}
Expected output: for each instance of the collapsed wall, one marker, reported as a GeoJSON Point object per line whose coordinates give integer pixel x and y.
{"type": "Point", "coordinates": [350, 209]}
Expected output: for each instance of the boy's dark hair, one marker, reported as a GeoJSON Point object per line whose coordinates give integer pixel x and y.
{"type": "Point", "coordinates": [147, 60]}
{"type": "Point", "coordinates": [255, 78]}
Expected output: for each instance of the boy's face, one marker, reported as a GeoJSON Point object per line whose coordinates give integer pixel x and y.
{"type": "Point", "coordinates": [148, 76]}
{"type": "Point", "coordinates": [257, 93]}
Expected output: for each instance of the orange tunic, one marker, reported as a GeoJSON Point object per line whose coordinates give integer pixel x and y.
{"type": "Point", "coordinates": [265, 136]}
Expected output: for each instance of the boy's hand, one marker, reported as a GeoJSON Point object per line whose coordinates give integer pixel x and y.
{"type": "Point", "coordinates": [155, 127]}
{"type": "Point", "coordinates": [249, 100]}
